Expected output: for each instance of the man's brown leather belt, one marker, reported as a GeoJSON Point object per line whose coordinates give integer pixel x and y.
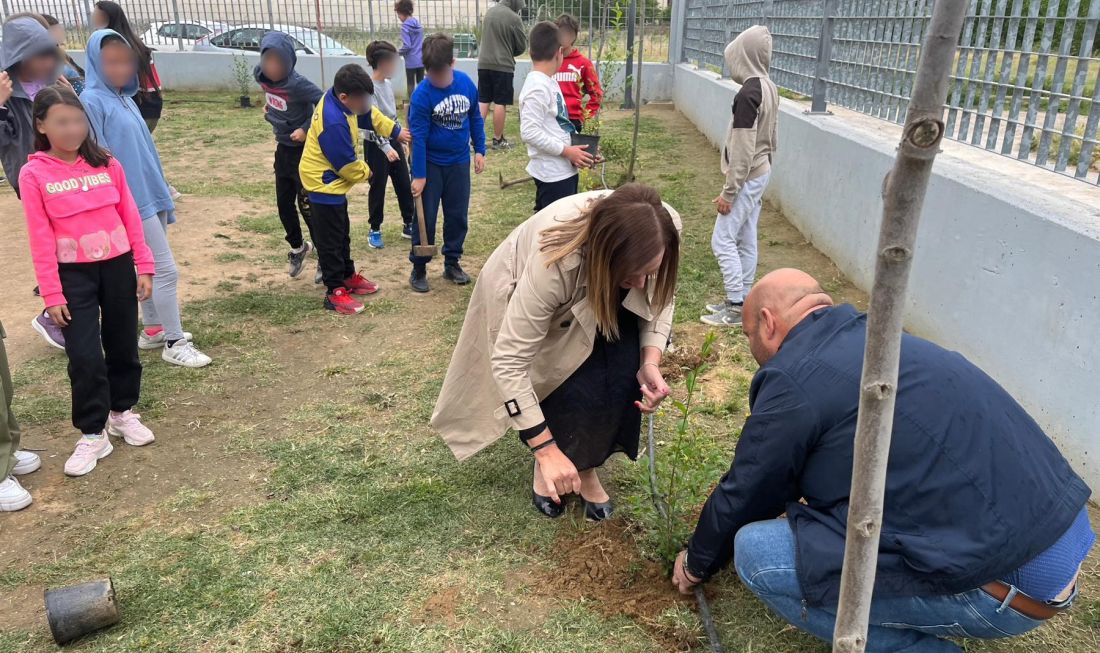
{"type": "Point", "coordinates": [1021, 603]}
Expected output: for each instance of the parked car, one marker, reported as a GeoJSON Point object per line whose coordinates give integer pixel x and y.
{"type": "Point", "coordinates": [166, 36]}
{"type": "Point", "coordinates": [248, 37]}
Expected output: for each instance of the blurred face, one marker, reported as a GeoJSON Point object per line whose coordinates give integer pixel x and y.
{"type": "Point", "coordinates": [402, 17]}
{"type": "Point", "coordinates": [118, 63]}
{"type": "Point", "coordinates": [357, 104]}
{"type": "Point", "coordinates": [99, 19]}
{"type": "Point", "coordinates": [441, 78]}
{"type": "Point", "coordinates": [638, 279]}
{"type": "Point", "coordinates": [272, 66]}
{"type": "Point", "coordinates": [386, 67]}
{"type": "Point", "coordinates": [66, 127]}
{"type": "Point", "coordinates": [39, 67]}
{"type": "Point", "coordinates": [58, 34]}
{"type": "Point", "coordinates": [568, 38]}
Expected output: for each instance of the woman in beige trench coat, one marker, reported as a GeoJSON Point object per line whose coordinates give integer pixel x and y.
{"type": "Point", "coordinates": [563, 340]}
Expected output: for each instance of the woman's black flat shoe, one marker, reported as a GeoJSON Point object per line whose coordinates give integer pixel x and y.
{"type": "Point", "coordinates": [546, 505]}
{"type": "Point", "coordinates": [598, 511]}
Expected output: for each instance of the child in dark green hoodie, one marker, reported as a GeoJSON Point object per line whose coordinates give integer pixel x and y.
{"type": "Point", "coordinates": [289, 102]}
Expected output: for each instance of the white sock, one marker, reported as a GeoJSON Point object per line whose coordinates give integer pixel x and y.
{"type": "Point", "coordinates": [299, 250]}
{"type": "Point", "coordinates": [93, 436]}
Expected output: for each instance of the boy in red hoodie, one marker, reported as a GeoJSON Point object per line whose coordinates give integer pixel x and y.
{"type": "Point", "coordinates": [577, 76]}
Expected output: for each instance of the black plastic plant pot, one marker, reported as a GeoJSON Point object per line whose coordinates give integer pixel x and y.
{"type": "Point", "coordinates": [246, 102]}
{"type": "Point", "coordinates": [78, 610]}
{"type": "Point", "coordinates": [591, 140]}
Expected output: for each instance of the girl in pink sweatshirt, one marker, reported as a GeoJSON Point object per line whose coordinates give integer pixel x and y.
{"type": "Point", "coordinates": [86, 239]}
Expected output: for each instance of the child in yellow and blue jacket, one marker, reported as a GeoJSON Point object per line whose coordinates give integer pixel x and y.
{"type": "Point", "coordinates": [330, 167]}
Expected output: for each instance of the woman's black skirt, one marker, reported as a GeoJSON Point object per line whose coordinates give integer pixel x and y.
{"type": "Point", "coordinates": [592, 414]}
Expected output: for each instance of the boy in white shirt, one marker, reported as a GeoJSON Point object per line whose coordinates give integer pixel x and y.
{"type": "Point", "coordinates": [544, 122]}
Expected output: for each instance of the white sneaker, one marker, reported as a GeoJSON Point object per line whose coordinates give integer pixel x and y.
{"type": "Point", "coordinates": [88, 452]}
{"type": "Point", "coordinates": [157, 341]}
{"type": "Point", "coordinates": [25, 463]}
{"type": "Point", "coordinates": [184, 354]}
{"type": "Point", "coordinates": [12, 495]}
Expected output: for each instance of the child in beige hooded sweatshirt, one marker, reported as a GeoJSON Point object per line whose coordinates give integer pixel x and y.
{"type": "Point", "coordinates": [746, 164]}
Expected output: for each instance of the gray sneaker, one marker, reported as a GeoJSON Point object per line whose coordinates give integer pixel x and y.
{"type": "Point", "coordinates": [730, 316]}
{"type": "Point", "coordinates": [296, 261]}
{"type": "Point", "coordinates": [717, 308]}
{"type": "Point", "coordinates": [318, 276]}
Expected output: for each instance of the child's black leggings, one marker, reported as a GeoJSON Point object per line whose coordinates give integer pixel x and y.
{"type": "Point", "coordinates": [104, 369]}
{"type": "Point", "coordinates": [382, 169]}
{"type": "Point", "coordinates": [290, 197]}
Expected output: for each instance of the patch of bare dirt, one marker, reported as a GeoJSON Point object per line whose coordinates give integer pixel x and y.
{"type": "Point", "coordinates": [603, 565]}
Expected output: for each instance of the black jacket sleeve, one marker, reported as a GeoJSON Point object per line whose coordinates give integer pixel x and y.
{"type": "Point", "coordinates": [763, 478]}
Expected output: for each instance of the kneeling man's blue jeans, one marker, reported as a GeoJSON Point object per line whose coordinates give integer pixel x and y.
{"type": "Point", "coordinates": [765, 560]}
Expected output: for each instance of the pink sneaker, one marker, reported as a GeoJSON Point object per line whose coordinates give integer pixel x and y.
{"type": "Point", "coordinates": [87, 453]}
{"type": "Point", "coordinates": [127, 425]}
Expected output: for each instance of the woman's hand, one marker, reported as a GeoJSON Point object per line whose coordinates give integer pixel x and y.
{"type": "Point", "coordinates": [144, 287]}
{"type": "Point", "coordinates": [654, 388]}
{"type": "Point", "coordinates": [60, 315]}
{"type": "Point", "coordinates": [558, 472]}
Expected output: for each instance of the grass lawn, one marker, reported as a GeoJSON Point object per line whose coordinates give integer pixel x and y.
{"type": "Point", "coordinates": [296, 498]}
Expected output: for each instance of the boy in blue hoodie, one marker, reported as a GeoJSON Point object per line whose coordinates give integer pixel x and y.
{"type": "Point", "coordinates": [444, 120]}
{"type": "Point", "coordinates": [110, 85]}
{"type": "Point", "coordinates": [290, 99]}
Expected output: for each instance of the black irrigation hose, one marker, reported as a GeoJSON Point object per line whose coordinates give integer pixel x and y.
{"type": "Point", "coordinates": [662, 508]}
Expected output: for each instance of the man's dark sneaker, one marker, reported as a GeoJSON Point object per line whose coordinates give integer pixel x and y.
{"type": "Point", "coordinates": [296, 260]}
{"type": "Point", "coordinates": [419, 280]}
{"type": "Point", "coordinates": [501, 144]}
{"type": "Point", "coordinates": [407, 231]}
{"type": "Point", "coordinates": [454, 272]}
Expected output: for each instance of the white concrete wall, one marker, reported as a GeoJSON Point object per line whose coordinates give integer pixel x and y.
{"type": "Point", "coordinates": [205, 71]}
{"type": "Point", "coordinates": [1007, 267]}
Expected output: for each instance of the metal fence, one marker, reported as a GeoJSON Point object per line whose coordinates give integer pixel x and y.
{"type": "Point", "coordinates": [1025, 82]}
{"type": "Point", "coordinates": [350, 24]}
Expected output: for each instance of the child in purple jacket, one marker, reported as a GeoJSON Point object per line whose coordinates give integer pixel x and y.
{"type": "Point", "coordinates": [412, 41]}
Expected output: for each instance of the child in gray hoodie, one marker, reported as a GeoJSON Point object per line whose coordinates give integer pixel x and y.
{"type": "Point", "coordinates": [746, 165]}
{"type": "Point", "coordinates": [289, 102]}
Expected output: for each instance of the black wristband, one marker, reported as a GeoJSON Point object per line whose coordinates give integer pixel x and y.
{"type": "Point", "coordinates": [533, 432]}
{"type": "Point", "coordinates": [542, 445]}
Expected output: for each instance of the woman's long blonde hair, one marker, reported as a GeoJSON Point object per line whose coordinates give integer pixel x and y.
{"type": "Point", "coordinates": [618, 235]}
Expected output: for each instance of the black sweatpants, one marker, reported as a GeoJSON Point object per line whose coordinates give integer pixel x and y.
{"type": "Point", "coordinates": [413, 76]}
{"type": "Point", "coordinates": [382, 169]}
{"type": "Point", "coordinates": [332, 236]}
{"type": "Point", "coordinates": [548, 192]}
{"type": "Point", "coordinates": [289, 194]}
{"type": "Point", "coordinates": [104, 369]}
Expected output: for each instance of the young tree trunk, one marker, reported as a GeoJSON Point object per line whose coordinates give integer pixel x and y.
{"type": "Point", "coordinates": [637, 100]}
{"type": "Point", "coordinates": [903, 197]}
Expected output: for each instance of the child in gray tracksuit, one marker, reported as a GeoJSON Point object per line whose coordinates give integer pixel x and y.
{"type": "Point", "coordinates": [385, 156]}
{"type": "Point", "coordinates": [746, 165]}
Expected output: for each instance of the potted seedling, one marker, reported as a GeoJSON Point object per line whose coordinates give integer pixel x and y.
{"type": "Point", "coordinates": [243, 75]}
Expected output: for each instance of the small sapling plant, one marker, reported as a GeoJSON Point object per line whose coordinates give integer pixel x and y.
{"type": "Point", "coordinates": [242, 73]}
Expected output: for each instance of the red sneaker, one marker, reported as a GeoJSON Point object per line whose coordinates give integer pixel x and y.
{"type": "Point", "coordinates": [340, 301]}
{"type": "Point", "coordinates": [357, 284]}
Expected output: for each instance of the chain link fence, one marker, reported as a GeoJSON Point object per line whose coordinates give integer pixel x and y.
{"type": "Point", "coordinates": [346, 25]}
{"type": "Point", "coordinates": [1025, 82]}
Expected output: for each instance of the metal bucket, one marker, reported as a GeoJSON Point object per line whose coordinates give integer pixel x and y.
{"type": "Point", "coordinates": [78, 610]}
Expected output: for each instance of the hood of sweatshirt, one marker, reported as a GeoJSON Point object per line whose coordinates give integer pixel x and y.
{"type": "Point", "coordinates": [515, 5]}
{"type": "Point", "coordinates": [282, 45]}
{"type": "Point", "coordinates": [24, 38]}
{"type": "Point", "coordinates": [750, 54]}
{"type": "Point", "coordinates": [93, 78]}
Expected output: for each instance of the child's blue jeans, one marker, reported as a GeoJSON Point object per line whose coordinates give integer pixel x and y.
{"type": "Point", "coordinates": [765, 561]}
{"type": "Point", "coordinates": [451, 186]}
